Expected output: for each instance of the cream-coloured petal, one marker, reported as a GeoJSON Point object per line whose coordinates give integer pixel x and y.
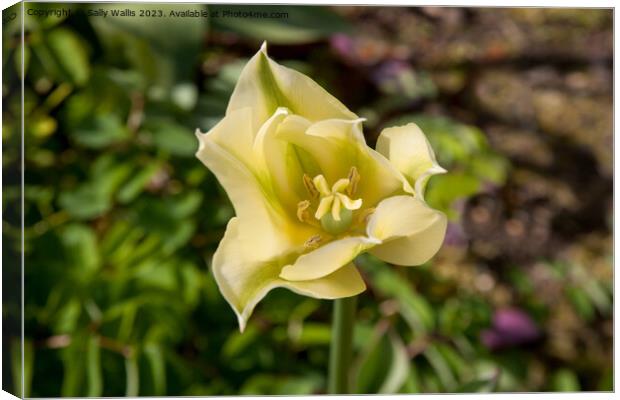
{"type": "Point", "coordinates": [327, 259]}
{"type": "Point", "coordinates": [338, 145]}
{"type": "Point", "coordinates": [264, 85]}
{"type": "Point", "coordinates": [244, 281]}
{"type": "Point", "coordinates": [344, 282]}
{"type": "Point", "coordinates": [410, 230]}
{"type": "Point", "coordinates": [410, 152]}
{"type": "Point", "coordinates": [281, 160]}
{"type": "Point", "coordinates": [378, 177]}
{"type": "Point", "coordinates": [235, 135]}
{"type": "Point", "coordinates": [249, 191]}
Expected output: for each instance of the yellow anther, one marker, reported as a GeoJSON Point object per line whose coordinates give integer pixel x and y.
{"type": "Point", "coordinates": [334, 211]}
{"type": "Point", "coordinates": [365, 214]}
{"type": "Point", "coordinates": [312, 190]}
{"type": "Point", "coordinates": [354, 178]}
{"type": "Point", "coordinates": [313, 242]}
{"type": "Point", "coordinates": [302, 211]}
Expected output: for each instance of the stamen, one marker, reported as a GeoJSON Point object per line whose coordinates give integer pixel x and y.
{"type": "Point", "coordinates": [336, 208]}
{"type": "Point", "coordinates": [312, 190]}
{"type": "Point", "coordinates": [321, 184]}
{"type": "Point", "coordinates": [354, 178]}
{"type": "Point", "coordinates": [313, 242]}
{"type": "Point", "coordinates": [365, 214]}
{"type": "Point", "coordinates": [302, 211]}
{"type": "Point", "coordinates": [323, 207]}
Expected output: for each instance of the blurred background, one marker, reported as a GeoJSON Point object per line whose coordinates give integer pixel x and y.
{"type": "Point", "coordinates": [122, 219]}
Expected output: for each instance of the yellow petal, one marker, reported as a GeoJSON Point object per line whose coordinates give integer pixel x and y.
{"type": "Point", "coordinates": [411, 231]}
{"type": "Point", "coordinates": [344, 282]}
{"type": "Point", "coordinates": [264, 220]}
{"type": "Point", "coordinates": [264, 85]}
{"type": "Point", "coordinates": [285, 171]}
{"type": "Point", "coordinates": [327, 259]}
{"type": "Point", "coordinates": [338, 145]}
{"type": "Point", "coordinates": [410, 152]}
{"type": "Point", "coordinates": [233, 134]}
{"type": "Point", "coordinates": [244, 281]}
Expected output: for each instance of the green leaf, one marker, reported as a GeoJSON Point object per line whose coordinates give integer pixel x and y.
{"type": "Point", "coordinates": [132, 376]}
{"type": "Point", "coordinates": [174, 139]}
{"type": "Point", "coordinates": [73, 366]}
{"type": "Point", "coordinates": [441, 367]}
{"type": "Point", "coordinates": [455, 361]}
{"type": "Point", "coordinates": [399, 368]}
{"type": "Point", "coordinates": [93, 368]}
{"type": "Point", "coordinates": [478, 386]}
{"type": "Point", "coordinates": [18, 59]}
{"type": "Point", "coordinates": [373, 365]}
{"type": "Point", "coordinates": [85, 202]}
{"type": "Point", "coordinates": [237, 342]}
{"type": "Point", "coordinates": [444, 190]}
{"type": "Point", "coordinates": [66, 318]}
{"type": "Point", "coordinates": [136, 184]}
{"type": "Point", "coordinates": [581, 302]}
{"type": "Point", "coordinates": [165, 49]}
{"type": "Point", "coordinates": [267, 384]}
{"type": "Point", "coordinates": [314, 334]}
{"type": "Point", "coordinates": [155, 356]}
{"type": "Point", "coordinates": [565, 380]}
{"type": "Point", "coordinates": [80, 243]}
{"type": "Point", "coordinates": [414, 308]}
{"type": "Point", "coordinates": [412, 383]}
{"type": "Point", "coordinates": [70, 53]}
{"type": "Point", "coordinates": [17, 368]}
{"type": "Point", "coordinates": [94, 197]}
{"type": "Point", "coordinates": [100, 131]}
{"type": "Point", "coordinates": [384, 366]}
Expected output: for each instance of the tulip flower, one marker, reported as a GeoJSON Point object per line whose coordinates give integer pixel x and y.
{"type": "Point", "coordinates": [309, 194]}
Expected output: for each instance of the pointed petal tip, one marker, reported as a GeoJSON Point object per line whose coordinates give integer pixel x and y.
{"type": "Point", "coordinates": [241, 325]}
{"type": "Point", "coordinates": [263, 47]}
{"type": "Point", "coordinates": [200, 135]}
{"type": "Point", "coordinates": [437, 169]}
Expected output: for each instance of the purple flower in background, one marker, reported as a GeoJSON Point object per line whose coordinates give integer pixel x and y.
{"type": "Point", "coordinates": [511, 327]}
{"type": "Point", "coordinates": [455, 235]}
{"type": "Point", "coordinates": [343, 46]}
{"type": "Point", "coordinates": [389, 70]}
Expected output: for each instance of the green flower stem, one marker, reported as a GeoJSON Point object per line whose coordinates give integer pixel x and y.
{"type": "Point", "coordinates": [341, 345]}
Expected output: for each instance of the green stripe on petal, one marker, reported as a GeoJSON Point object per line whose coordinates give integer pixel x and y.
{"type": "Point", "coordinates": [264, 85]}
{"type": "Point", "coordinates": [244, 281]}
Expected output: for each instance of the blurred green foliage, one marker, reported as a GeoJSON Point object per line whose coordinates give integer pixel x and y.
{"type": "Point", "coordinates": [121, 222]}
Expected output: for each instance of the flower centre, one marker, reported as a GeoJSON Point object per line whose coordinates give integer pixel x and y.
{"type": "Point", "coordinates": [334, 207]}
